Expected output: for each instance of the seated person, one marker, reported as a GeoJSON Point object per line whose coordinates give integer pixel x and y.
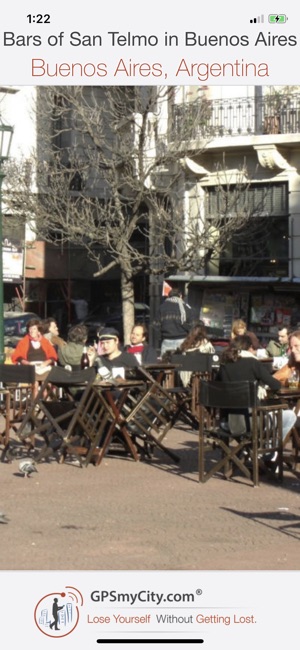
{"type": "Point", "coordinates": [196, 341]}
{"type": "Point", "coordinates": [238, 363]}
{"type": "Point", "coordinates": [50, 330]}
{"type": "Point", "coordinates": [143, 352]}
{"type": "Point", "coordinates": [239, 328]}
{"type": "Point", "coordinates": [284, 373]}
{"type": "Point", "coordinates": [35, 349]}
{"type": "Point", "coordinates": [70, 354]}
{"type": "Point", "coordinates": [279, 348]}
{"type": "Point", "coordinates": [112, 356]}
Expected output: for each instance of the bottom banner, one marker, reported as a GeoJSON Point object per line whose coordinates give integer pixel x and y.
{"type": "Point", "coordinates": [240, 609]}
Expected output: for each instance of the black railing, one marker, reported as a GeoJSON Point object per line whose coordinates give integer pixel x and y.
{"type": "Point", "coordinates": [273, 114]}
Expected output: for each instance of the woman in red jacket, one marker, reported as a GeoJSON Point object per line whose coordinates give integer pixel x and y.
{"type": "Point", "coordinates": [35, 349]}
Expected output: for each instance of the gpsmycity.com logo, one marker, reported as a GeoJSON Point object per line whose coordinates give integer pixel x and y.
{"type": "Point", "coordinates": [57, 614]}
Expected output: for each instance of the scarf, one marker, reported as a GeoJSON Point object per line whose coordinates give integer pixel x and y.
{"type": "Point", "coordinates": [36, 343]}
{"type": "Point", "coordinates": [179, 302]}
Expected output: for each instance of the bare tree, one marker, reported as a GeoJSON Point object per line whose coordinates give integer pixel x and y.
{"type": "Point", "coordinates": [109, 174]}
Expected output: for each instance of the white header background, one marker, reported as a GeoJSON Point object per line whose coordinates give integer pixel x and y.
{"type": "Point", "coordinates": [26, 37]}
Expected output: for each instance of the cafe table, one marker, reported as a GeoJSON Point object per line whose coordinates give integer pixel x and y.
{"type": "Point", "coordinates": [162, 372]}
{"type": "Point", "coordinates": [112, 396]}
{"type": "Point", "coordinates": [290, 394]}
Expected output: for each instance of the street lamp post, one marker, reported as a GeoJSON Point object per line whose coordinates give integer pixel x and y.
{"type": "Point", "coordinates": [6, 133]}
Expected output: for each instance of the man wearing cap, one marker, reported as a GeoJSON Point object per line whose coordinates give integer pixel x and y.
{"type": "Point", "coordinates": [112, 356]}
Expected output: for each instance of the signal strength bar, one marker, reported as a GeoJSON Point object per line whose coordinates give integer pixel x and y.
{"type": "Point", "coordinates": [258, 19]}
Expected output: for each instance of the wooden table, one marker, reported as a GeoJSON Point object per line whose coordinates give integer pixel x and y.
{"type": "Point", "coordinates": [164, 373]}
{"type": "Point", "coordinates": [114, 395]}
{"type": "Point", "coordinates": [290, 395]}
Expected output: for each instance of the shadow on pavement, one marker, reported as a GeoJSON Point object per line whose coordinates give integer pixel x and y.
{"type": "Point", "coordinates": [269, 519]}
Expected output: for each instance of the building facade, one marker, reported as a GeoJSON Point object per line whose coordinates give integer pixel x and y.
{"type": "Point", "coordinates": [253, 140]}
{"type": "Point", "coordinates": [226, 139]}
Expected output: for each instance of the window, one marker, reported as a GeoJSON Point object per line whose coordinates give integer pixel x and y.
{"type": "Point", "coordinates": [260, 247]}
{"type": "Point", "coordinates": [257, 199]}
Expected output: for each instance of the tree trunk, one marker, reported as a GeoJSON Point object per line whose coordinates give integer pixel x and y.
{"type": "Point", "coordinates": [127, 292]}
{"type": "Point", "coordinates": [155, 296]}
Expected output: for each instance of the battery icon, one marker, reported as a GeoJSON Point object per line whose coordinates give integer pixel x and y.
{"type": "Point", "coordinates": [277, 18]}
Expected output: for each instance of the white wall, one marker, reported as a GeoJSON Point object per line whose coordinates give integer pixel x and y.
{"type": "Point", "coordinates": [17, 109]}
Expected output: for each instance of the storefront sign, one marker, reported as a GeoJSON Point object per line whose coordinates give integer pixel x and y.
{"type": "Point", "coordinates": [12, 256]}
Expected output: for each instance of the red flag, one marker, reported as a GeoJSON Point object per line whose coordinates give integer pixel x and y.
{"type": "Point", "coordinates": [166, 288]}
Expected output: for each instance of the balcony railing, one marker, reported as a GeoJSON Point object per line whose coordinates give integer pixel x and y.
{"type": "Point", "coordinates": [274, 114]}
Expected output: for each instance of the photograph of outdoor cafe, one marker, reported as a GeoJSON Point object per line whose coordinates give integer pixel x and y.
{"type": "Point", "coordinates": [143, 429]}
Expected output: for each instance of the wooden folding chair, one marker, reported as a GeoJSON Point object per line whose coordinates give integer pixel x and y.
{"type": "Point", "coordinates": [5, 401]}
{"type": "Point", "coordinates": [291, 443]}
{"type": "Point", "coordinates": [19, 380]}
{"type": "Point", "coordinates": [296, 446]}
{"type": "Point", "coordinates": [56, 415]}
{"type": "Point", "coordinates": [16, 395]}
{"type": "Point", "coordinates": [145, 419]}
{"type": "Point", "coordinates": [95, 421]}
{"type": "Point", "coordinates": [199, 365]}
{"type": "Point", "coordinates": [291, 448]}
{"type": "Point", "coordinates": [149, 414]}
{"type": "Point", "coordinates": [263, 432]}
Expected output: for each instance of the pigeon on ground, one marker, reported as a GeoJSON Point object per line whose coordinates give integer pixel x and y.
{"type": "Point", "coordinates": [3, 518]}
{"type": "Point", "coordinates": [27, 467]}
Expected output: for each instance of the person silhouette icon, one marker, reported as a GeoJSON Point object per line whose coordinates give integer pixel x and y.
{"type": "Point", "coordinates": [55, 610]}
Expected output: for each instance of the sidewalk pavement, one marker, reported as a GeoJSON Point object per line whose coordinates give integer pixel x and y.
{"type": "Point", "coordinates": [149, 515]}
